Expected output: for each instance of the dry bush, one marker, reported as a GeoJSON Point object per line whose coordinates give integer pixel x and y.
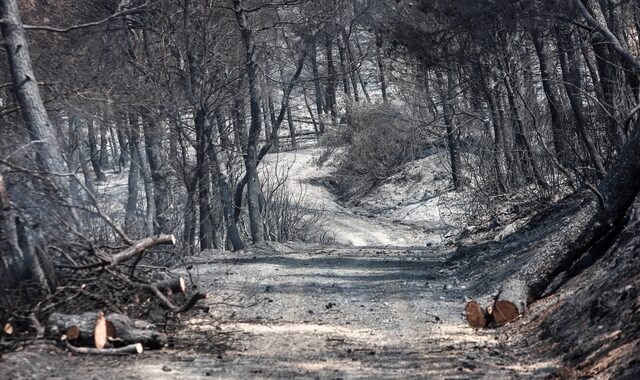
{"type": "Point", "coordinates": [373, 142]}
{"type": "Point", "coordinates": [287, 214]}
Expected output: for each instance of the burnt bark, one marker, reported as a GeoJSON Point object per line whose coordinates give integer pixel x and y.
{"type": "Point", "coordinates": [251, 154]}
{"type": "Point", "coordinates": [207, 233]}
{"type": "Point", "coordinates": [139, 159]}
{"type": "Point", "coordinates": [317, 85]}
{"type": "Point", "coordinates": [24, 256]}
{"type": "Point", "coordinates": [153, 136]}
{"type": "Point", "coordinates": [447, 97]}
{"type": "Point", "coordinates": [571, 76]}
{"type": "Point", "coordinates": [381, 70]}
{"type": "Point", "coordinates": [553, 98]}
{"type": "Point", "coordinates": [94, 152]}
{"type": "Point", "coordinates": [131, 211]}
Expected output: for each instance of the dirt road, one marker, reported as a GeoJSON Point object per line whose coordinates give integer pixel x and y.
{"type": "Point", "coordinates": [340, 311]}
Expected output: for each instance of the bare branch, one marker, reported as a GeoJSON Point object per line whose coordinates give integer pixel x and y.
{"type": "Point", "coordinates": [88, 24]}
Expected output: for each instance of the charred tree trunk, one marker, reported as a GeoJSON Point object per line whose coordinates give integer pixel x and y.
{"type": "Point", "coordinates": [225, 191]}
{"type": "Point", "coordinates": [251, 158]}
{"type": "Point", "coordinates": [23, 257]}
{"type": "Point", "coordinates": [74, 136]}
{"type": "Point", "coordinates": [153, 135]}
{"type": "Point", "coordinates": [342, 53]}
{"type": "Point", "coordinates": [207, 233]}
{"type": "Point", "coordinates": [317, 85]}
{"type": "Point", "coordinates": [123, 143]}
{"type": "Point", "coordinates": [310, 111]}
{"type": "Point", "coordinates": [95, 152]}
{"type": "Point", "coordinates": [607, 63]}
{"type": "Point", "coordinates": [330, 94]}
{"type": "Point", "coordinates": [104, 145]}
{"type": "Point", "coordinates": [524, 149]}
{"type": "Point", "coordinates": [131, 212]}
{"type": "Point", "coordinates": [447, 97]}
{"type": "Point", "coordinates": [350, 65]}
{"type": "Point", "coordinates": [41, 132]}
{"type": "Point", "coordinates": [381, 73]}
{"type": "Point", "coordinates": [140, 161]}
{"type": "Point", "coordinates": [292, 128]}
{"type": "Point", "coordinates": [571, 76]}
{"type": "Point", "coordinates": [499, 157]}
{"type": "Point", "coordinates": [553, 98]}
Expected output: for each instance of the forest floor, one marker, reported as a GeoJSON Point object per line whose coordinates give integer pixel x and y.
{"type": "Point", "coordinates": [381, 301]}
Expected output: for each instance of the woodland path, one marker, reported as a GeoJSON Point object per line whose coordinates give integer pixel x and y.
{"type": "Point", "coordinates": [370, 310]}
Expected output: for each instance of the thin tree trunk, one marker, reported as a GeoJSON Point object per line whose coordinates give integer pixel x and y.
{"type": "Point", "coordinates": [313, 119]}
{"type": "Point", "coordinates": [330, 94]}
{"type": "Point", "coordinates": [343, 67]}
{"type": "Point", "coordinates": [94, 151]}
{"type": "Point", "coordinates": [82, 158]}
{"type": "Point", "coordinates": [607, 63]}
{"type": "Point", "coordinates": [350, 65]}
{"type": "Point", "coordinates": [225, 189]}
{"type": "Point", "coordinates": [123, 142]}
{"type": "Point", "coordinates": [571, 76]}
{"type": "Point", "coordinates": [153, 135]}
{"type": "Point", "coordinates": [316, 83]}
{"type": "Point", "coordinates": [363, 84]}
{"type": "Point", "coordinates": [115, 149]}
{"type": "Point", "coordinates": [381, 73]}
{"type": "Point", "coordinates": [292, 128]}
{"type": "Point", "coordinates": [207, 237]}
{"type": "Point", "coordinates": [553, 99]}
{"type": "Point", "coordinates": [131, 211]}
{"type": "Point", "coordinates": [251, 158]}
{"type": "Point", "coordinates": [523, 145]}
{"type": "Point", "coordinates": [447, 97]}
{"type": "Point", "coordinates": [104, 145]}
{"type": "Point", "coordinates": [139, 158]}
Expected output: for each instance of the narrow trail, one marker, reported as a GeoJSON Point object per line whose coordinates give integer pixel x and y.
{"type": "Point", "coordinates": [380, 303]}
{"type": "Point", "coordinates": [342, 225]}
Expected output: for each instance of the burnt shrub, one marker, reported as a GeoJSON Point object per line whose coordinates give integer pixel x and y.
{"type": "Point", "coordinates": [372, 142]}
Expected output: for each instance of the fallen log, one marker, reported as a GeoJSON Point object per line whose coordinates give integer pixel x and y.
{"type": "Point", "coordinates": [81, 328]}
{"type": "Point", "coordinates": [476, 316]}
{"type": "Point", "coordinates": [127, 331]}
{"type": "Point", "coordinates": [129, 349]}
{"type": "Point", "coordinates": [90, 329]}
{"type": "Point", "coordinates": [510, 303]}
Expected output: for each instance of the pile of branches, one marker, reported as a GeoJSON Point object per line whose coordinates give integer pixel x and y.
{"type": "Point", "coordinates": [62, 289]}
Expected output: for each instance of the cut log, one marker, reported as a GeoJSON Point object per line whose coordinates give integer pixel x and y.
{"type": "Point", "coordinates": [117, 329]}
{"type": "Point", "coordinates": [72, 333]}
{"type": "Point", "coordinates": [82, 327]}
{"type": "Point", "coordinates": [8, 329]}
{"type": "Point", "coordinates": [511, 302]}
{"type": "Point", "coordinates": [172, 286]}
{"type": "Point", "coordinates": [127, 331]}
{"type": "Point", "coordinates": [111, 330]}
{"type": "Point", "coordinates": [475, 315]}
{"type": "Point", "coordinates": [100, 331]}
{"type": "Point", "coordinates": [129, 349]}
